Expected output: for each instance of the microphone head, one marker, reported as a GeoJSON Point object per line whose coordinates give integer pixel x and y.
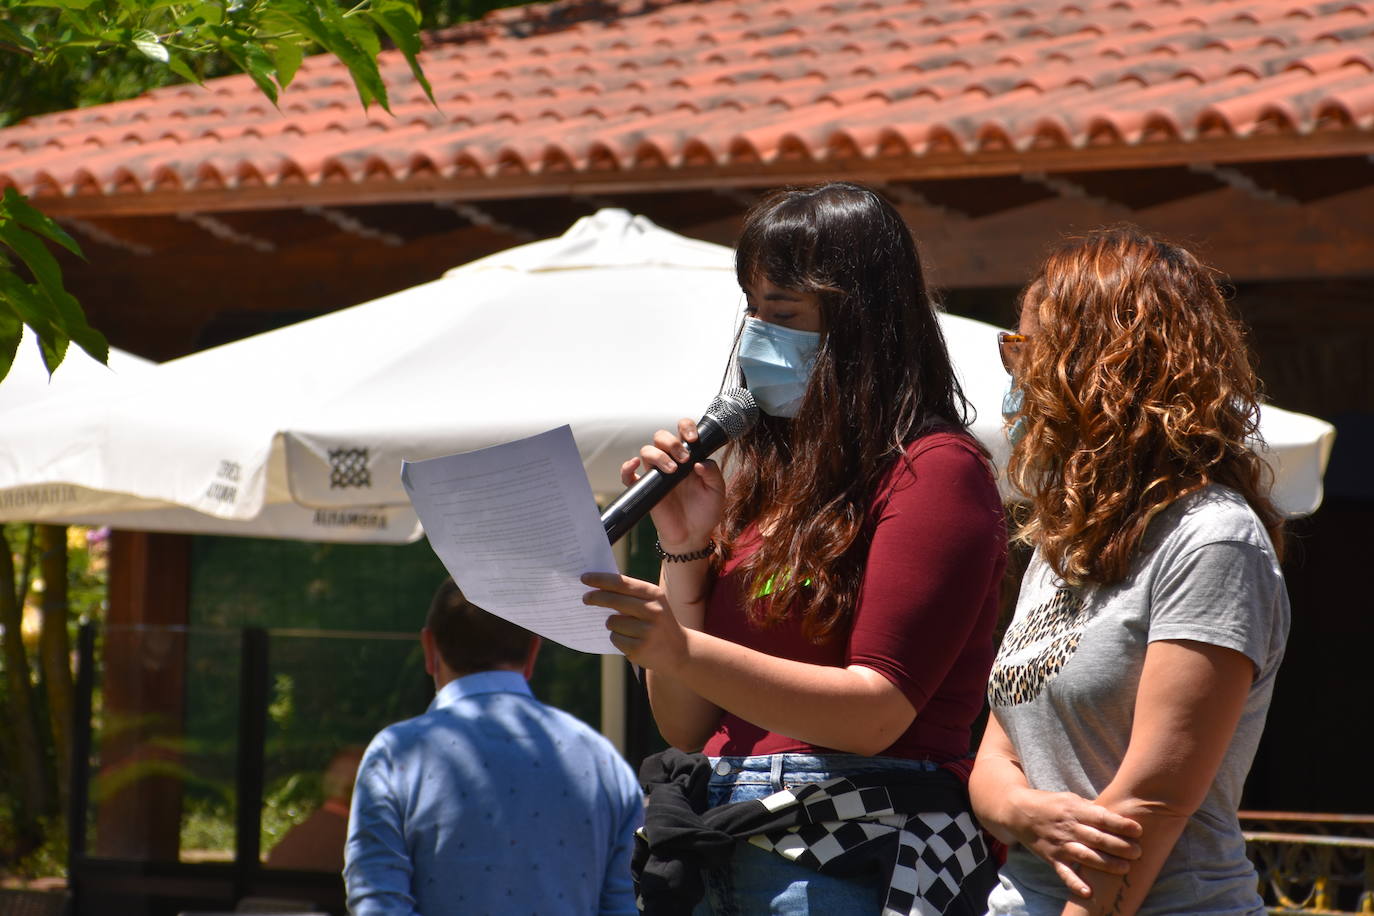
{"type": "Point", "coordinates": [734, 409]}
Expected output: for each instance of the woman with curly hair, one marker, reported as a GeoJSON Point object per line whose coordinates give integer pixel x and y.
{"type": "Point", "coordinates": [1130, 690]}
{"type": "Point", "coordinates": [827, 612]}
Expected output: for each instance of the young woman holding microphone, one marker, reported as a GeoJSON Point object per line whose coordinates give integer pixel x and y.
{"type": "Point", "coordinates": [827, 611]}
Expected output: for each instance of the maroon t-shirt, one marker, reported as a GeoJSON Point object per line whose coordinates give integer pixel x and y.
{"type": "Point", "coordinates": [926, 609]}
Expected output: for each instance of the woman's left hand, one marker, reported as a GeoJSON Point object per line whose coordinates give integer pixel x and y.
{"type": "Point", "coordinates": [1072, 833]}
{"type": "Point", "coordinates": [643, 626]}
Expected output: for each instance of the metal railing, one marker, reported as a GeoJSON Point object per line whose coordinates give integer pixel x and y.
{"type": "Point", "coordinates": [1319, 864]}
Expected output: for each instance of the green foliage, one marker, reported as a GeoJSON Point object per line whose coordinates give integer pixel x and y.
{"type": "Point", "coordinates": [157, 38]}
{"type": "Point", "coordinates": [86, 74]}
{"type": "Point", "coordinates": [282, 709]}
{"type": "Point", "coordinates": [21, 855]}
{"type": "Point", "coordinates": [44, 305]}
{"type": "Point", "coordinates": [208, 823]}
{"type": "Point", "coordinates": [207, 826]}
{"type": "Point", "coordinates": [46, 860]}
{"type": "Point", "coordinates": [62, 54]}
{"type": "Point", "coordinates": [440, 14]}
{"type": "Point", "coordinates": [29, 87]}
{"type": "Point", "coordinates": [63, 43]}
{"type": "Point", "coordinates": [86, 578]}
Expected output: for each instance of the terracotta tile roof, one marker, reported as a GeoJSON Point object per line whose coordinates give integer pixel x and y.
{"type": "Point", "coordinates": [611, 91]}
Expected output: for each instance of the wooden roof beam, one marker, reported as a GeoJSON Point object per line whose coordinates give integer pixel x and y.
{"type": "Point", "coordinates": [1237, 179]}
{"type": "Point", "coordinates": [1066, 187]}
{"type": "Point", "coordinates": [907, 196]}
{"type": "Point", "coordinates": [1304, 182]}
{"type": "Point", "coordinates": [353, 226]}
{"type": "Point", "coordinates": [109, 239]}
{"type": "Point", "coordinates": [480, 217]}
{"type": "Point", "coordinates": [225, 232]}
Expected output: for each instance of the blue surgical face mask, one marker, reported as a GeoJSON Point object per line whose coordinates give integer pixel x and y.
{"type": "Point", "coordinates": [776, 363]}
{"type": "Point", "coordinates": [1012, 402]}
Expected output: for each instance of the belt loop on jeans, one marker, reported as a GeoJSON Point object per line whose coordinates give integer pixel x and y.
{"type": "Point", "coordinates": [775, 772]}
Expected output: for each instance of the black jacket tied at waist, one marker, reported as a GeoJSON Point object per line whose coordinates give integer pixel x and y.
{"type": "Point", "coordinates": [912, 826]}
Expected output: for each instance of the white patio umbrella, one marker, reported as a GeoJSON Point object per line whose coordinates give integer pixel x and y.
{"type": "Point", "coordinates": [617, 328]}
{"type": "Point", "coordinates": [28, 380]}
{"type": "Point", "coordinates": [604, 327]}
{"type": "Point", "coordinates": [28, 386]}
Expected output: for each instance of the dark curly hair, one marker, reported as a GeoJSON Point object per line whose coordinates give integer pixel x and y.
{"type": "Point", "coordinates": [1138, 389]}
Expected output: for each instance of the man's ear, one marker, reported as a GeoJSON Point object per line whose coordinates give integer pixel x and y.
{"type": "Point", "coordinates": [535, 643]}
{"type": "Point", "coordinates": [427, 643]}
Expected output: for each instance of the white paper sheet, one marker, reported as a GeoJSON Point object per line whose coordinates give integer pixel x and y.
{"type": "Point", "coordinates": [516, 526]}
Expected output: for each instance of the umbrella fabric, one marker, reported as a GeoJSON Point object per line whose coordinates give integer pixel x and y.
{"type": "Point", "coordinates": [29, 387]}
{"type": "Point", "coordinates": [617, 327]}
{"type": "Point", "coordinates": [28, 380]}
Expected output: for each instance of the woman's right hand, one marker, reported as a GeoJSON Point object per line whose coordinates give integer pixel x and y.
{"type": "Point", "coordinates": [690, 511]}
{"type": "Point", "coordinates": [1070, 832]}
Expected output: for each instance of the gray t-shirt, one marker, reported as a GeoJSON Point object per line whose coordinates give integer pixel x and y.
{"type": "Point", "coordinates": [1064, 684]}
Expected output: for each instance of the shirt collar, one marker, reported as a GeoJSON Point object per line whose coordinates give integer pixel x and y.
{"type": "Point", "coordinates": [481, 682]}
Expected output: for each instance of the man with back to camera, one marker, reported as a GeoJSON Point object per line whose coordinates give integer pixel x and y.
{"type": "Point", "coordinates": [490, 802]}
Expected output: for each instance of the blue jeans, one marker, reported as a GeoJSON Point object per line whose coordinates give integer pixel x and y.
{"type": "Point", "coordinates": [756, 881]}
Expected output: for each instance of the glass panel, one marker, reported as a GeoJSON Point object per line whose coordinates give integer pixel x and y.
{"type": "Point", "coordinates": [247, 582]}
{"type": "Point", "coordinates": [570, 680]}
{"type": "Point", "coordinates": [214, 661]}
{"type": "Point", "coordinates": [164, 725]}
{"type": "Point", "coordinates": [330, 693]}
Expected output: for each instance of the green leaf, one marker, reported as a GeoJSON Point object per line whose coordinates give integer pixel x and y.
{"type": "Point", "coordinates": [72, 322]}
{"type": "Point", "coordinates": [401, 23]}
{"type": "Point", "coordinates": [36, 311]}
{"type": "Point", "coordinates": [360, 31]}
{"type": "Point", "coordinates": [35, 256]}
{"type": "Point", "coordinates": [54, 350]}
{"type": "Point", "coordinates": [231, 46]}
{"type": "Point", "coordinates": [287, 57]}
{"type": "Point", "coordinates": [27, 302]}
{"type": "Point", "coordinates": [14, 36]}
{"type": "Point", "coordinates": [150, 46]}
{"type": "Point", "coordinates": [260, 69]}
{"type": "Point", "coordinates": [320, 22]}
{"type": "Point", "coordinates": [57, 308]}
{"type": "Point", "coordinates": [296, 15]}
{"type": "Point", "coordinates": [17, 207]}
{"type": "Point", "coordinates": [85, 23]}
{"type": "Point", "coordinates": [93, 342]}
{"type": "Point", "coordinates": [11, 332]}
{"type": "Point", "coordinates": [59, 4]}
{"type": "Point", "coordinates": [248, 56]}
{"type": "Point", "coordinates": [183, 70]}
{"type": "Point", "coordinates": [199, 14]}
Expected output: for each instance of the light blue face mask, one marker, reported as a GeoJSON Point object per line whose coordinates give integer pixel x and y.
{"type": "Point", "coordinates": [1012, 402]}
{"type": "Point", "coordinates": [776, 363]}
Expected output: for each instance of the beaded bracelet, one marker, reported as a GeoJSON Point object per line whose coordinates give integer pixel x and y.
{"type": "Point", "coordinates": [701, 554]}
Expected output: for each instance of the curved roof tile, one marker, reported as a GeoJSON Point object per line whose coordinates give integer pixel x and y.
{"type": "Point", "coordinates": [634, 86]}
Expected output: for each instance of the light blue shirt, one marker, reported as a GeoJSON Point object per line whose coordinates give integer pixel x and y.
{"type": "Point", "coordinates": [491, 802]}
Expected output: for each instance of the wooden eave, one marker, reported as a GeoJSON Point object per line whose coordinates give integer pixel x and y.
{"type": "Point", "coordinates": [934, 166]}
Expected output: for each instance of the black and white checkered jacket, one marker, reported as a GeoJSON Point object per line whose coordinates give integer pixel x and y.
{"type": "Point", "coordinates": [915, 827]}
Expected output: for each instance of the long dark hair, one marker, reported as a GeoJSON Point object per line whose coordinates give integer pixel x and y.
{"type": "Point", "coordinates": [882, 377]}
{"type": "Point", "coordinates": [1138, 389]}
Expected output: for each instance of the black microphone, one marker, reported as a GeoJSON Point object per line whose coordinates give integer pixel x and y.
{"type": "Point", "coordinates": [730, 415]}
